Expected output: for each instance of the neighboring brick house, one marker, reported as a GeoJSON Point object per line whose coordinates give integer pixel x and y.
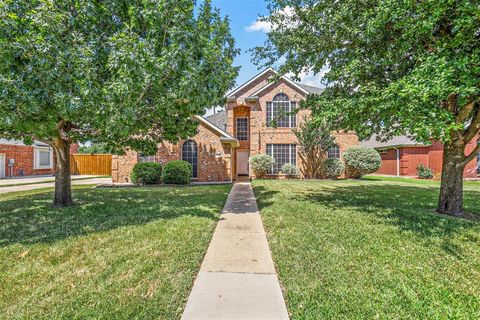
{"type": "Point", "coordinates": [226, 140]}
{"type": "Point", "coordinates": [401, 156]}
{"type": "Point", "coordinates": [18, 159]}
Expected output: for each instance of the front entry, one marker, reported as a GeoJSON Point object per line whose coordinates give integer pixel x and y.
{"type": "Point", "coordinates": [242, 162]}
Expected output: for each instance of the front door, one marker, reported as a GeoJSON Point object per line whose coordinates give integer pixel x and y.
{"type": "Point", "coordinates": [242, 162]}
{"type": "Point", "coordinates": [2, 165]}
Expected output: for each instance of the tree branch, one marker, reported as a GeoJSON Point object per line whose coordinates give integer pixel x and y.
{"type": "Point", "coordinates": [472, 155]}
{"type": "Point", "coordinates": [474, 126]}
{"type": "Point", "coordinates": [466, 111]}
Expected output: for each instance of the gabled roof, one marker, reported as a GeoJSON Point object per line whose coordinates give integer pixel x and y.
{"type": "Point", "coordinates": [395, 142]}
{"type": "Point", "coordinates": [218, 119]}
{"type": "Point", "coordinates": [306, 89]}
{"type": "Point", "coordinates": [311, 89]}
{"type": "Point", "coordinates": [225, 137]}
{"type": "Point", "coordinates": [261, 74]}
{"type": "Point", "coordinates": [286, 79]}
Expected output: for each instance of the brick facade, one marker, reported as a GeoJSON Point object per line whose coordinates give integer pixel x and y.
{"type": "Point", "coordinates": [260, 134]}
{"type": "Point", "coordinates": [217, 160]}
{"type": "Point", "coordinates": [430, 156]}
{"type": "Point", "coordinates": [214, 157]}
{"type": "Point", "coordinates": [24, 157]}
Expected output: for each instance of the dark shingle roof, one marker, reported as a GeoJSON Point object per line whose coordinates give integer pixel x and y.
{"type": "Point", "coordinates": [310, 89]}
{"type": "Point", "coordinates": [218, 119]}
{"type": "Point", "coordinates": [397, 141]}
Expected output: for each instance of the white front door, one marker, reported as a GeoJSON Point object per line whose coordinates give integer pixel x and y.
{"type": "Point", "coordinates": [242, 162]}
{"type": "Point", "coordinates": [2, 165]}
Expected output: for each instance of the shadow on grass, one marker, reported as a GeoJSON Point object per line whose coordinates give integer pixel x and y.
{"type": "Point", "coordinates": [410, 208]}
{"type": "Point", "coordinates": [29, 219]}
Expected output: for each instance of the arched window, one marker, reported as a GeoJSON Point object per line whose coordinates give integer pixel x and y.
{"type": "Point", "coordinates": [281, 112]}
{"type": "Point", "coordinates": [334, 152]}
{"type": "Point", "coordinates": [190, 154]}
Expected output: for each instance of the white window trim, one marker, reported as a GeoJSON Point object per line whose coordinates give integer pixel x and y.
{"type": "Point", "coordinates": [36, 158]}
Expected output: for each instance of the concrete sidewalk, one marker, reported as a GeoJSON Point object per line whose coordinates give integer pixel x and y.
{"type": "Point", "coordinates": [37, 179]}
{"type": "Point", "coordinates": [237, 279]}
{"type": "Point", "coordinates": [27, 187]}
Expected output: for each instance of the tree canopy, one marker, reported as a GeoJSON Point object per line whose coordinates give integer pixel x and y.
{"type": "Point", "coordinates": [120, 72]}
{"type": "Point", "coordinates": [393, 67]}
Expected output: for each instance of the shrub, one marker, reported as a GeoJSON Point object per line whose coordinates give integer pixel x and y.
{"type": "Point", "coordinates": [334, 168]}
{"type": "Point", "coordinates": [424, 172]}
{"type": "Point", "coordinates": [146, 173]}
{"type": "Point", "coordinates": [290, 170]}
{"type": "Point", "coordinates": [361, 161]}
{"type": "Point", "coordinates": [177, 172]}
{"type": "Point", "coordinates": [260, 164]}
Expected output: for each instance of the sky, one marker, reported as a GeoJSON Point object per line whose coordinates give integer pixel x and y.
{"type": "Point", "coordinates": [250, 33]}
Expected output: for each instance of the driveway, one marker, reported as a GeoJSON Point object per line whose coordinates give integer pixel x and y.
{"type": "Point", "coordinates": [32, 183]}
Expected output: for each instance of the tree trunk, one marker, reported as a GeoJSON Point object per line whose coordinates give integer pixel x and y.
{"type": "Point", "coordinates": [451, 190]}
{"type": "Point", "coordinates": [63, 184]}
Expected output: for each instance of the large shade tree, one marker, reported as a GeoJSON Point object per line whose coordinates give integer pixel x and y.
{"type": "Point", "coordinates": [119, 72]}
{"type": "Point", "coordinates": [393, 67]}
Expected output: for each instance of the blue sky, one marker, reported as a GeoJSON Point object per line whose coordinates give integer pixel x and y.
{"type": "Point", "coordinates": [242, 14]}
{"type": "Point", "coordinates": [249, 33]}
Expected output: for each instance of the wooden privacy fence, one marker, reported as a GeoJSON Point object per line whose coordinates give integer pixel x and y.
{"type": "Point", "coordinates": [94, 164]}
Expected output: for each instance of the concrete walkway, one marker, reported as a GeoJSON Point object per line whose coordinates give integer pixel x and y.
{"type": "Point", "coordinates": [27, 187]}
{"type": "Point", "coordinates": [237, 279]}
{"type": "Point", "coordinates": [38, 179]}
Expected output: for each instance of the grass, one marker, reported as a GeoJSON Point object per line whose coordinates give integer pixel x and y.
{"type": "Point", "coordinates": [372, 249]}
{"type": "Point", "coordinates": [118, 254]}
{"type": "Point", "coordinates": [50, 180]}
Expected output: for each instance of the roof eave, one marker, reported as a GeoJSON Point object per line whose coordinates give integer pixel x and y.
{"type": "Point", "coordinates": [400, 146]}
{"type": "Point", "coordinates": [231, 94]}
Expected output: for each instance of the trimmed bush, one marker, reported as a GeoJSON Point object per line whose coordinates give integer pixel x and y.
{"type": "Point", "coordinates": [290, 170]}
{"type": "Point", "coordinates": [177, 172]}
{"type": "Point", "coordinates": [146, 173]}
{"type": "Point", "coordinates": [424, 172]}
{"type": "Point", "coordinates": [334, 168]}
{"type": "Point", "coordinates": [361, 161]}
{"type": "Point", "coordinates": [260, 164]}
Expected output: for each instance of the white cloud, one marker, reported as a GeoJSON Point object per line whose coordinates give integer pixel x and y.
{"type": "Point", "coordinates": [259, 26]}
{"type": "Point", "coordinates": [312, 79]}
{"type": "Point", "coordinates": [266, 26]}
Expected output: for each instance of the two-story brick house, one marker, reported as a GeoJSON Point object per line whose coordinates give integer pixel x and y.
{"type": "Point", "coordinates": [257, 119]}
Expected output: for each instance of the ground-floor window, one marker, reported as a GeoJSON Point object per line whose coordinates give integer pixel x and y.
{"type": "Point", "coordinates": [334, 152]}
{"type": "Point", "coordinates": [43, 158]}
{"type": "Point", "coordinates": [282, 153]}
{"type": "Point", "coordinates": [190, 154]}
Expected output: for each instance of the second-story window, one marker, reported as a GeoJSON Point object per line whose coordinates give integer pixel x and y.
{"type": "Point", "coordinates": [281, 112]}
{"type": "Point", "coordinates": [242, 129]}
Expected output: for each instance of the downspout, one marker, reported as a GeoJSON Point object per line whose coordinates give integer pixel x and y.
{"type": "Point", "coordinates": [398, 161]}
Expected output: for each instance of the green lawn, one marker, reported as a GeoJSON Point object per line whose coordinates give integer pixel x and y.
{"type": "Point", "coordinates": [119, 254]}
{"type": "Point", "coordinates": [372, 249]}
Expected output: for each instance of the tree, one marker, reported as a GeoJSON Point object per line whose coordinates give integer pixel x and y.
{"type": "Point", "coordinates": [94, 148]}
{"type": "Point", "coordinates": [122, 73]}
{"type": "Point", "coordinates": [314, 139]}
{"type": "Point", "coordinates": [392, 68]}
